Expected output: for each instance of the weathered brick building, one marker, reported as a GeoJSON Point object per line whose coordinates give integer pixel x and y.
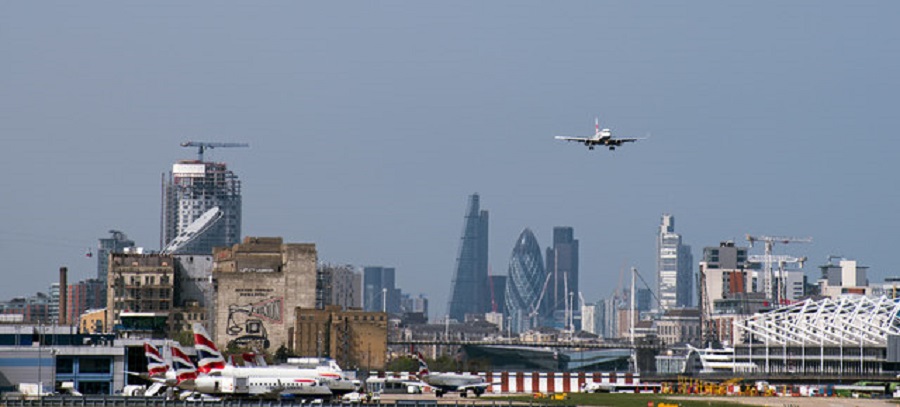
{"type": "Point", "coordinates": [258, 284]}
{"type": "Point", "coordinates": [355, 339]}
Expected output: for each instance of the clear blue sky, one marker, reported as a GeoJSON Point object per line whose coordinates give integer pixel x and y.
{"type": "Point", "coordinates": [371, 122]}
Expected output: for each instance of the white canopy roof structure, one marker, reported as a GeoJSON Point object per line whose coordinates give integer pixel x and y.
{"type": "Point", "coordinates": [847, 321]}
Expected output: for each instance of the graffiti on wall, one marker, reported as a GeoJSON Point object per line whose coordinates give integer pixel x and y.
{"type": "Point", "coordinates": [247, 320]}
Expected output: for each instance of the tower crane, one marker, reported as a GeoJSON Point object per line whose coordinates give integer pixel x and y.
{"type": "Point", "coordinates": [782, 261]}
{"type": "Point", "coordinates": [203, 145]}
{"type": "Point", "coordinates": [768, 258]}
{"type": "Point", "coordinates": [536, 306]}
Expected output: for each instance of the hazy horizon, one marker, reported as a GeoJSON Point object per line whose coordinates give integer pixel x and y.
{"type": "Point", "coordinates": [370, 124]}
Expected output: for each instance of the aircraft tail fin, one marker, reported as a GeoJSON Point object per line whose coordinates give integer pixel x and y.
{"type": "Point", "coordinates": [597, 126]}
{"type": "Point", "coordinates": [423, 367]}
{"type": "Point", "coordinates": [184, 368]}
{"type": "Point", "coordinates": [209, 359]}
{"type": "Point", "coordinates": [249, 359]}
{"type": "Point", "coordinates": [156, 365]}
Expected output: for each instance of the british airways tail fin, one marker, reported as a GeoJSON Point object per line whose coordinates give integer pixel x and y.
{"type": "Point", "coordinates": [423, 367]}
{"type": "Point", "coordinates": [184, 368]}
{"type": "Point", "coordinates": [156, 365]}
{"type": "Point", "coordinates": [209, 359]}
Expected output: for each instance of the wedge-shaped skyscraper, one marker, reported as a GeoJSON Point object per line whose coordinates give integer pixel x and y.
{"type": "Point", "coordinates": [470, 293]}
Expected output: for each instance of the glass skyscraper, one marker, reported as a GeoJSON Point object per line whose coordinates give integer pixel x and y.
{"type": "Point", "coordinates": [470, 291]}
{"type": "Point", "coordinates": [562, 265]}
{"type": "Point", "coordinates": [526, 281]}
{"type": "Point", "coordinates": [674, 265]}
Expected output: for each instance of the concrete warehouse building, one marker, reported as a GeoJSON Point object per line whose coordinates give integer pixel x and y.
{"type": "Point", "coordinates": [259, 283]}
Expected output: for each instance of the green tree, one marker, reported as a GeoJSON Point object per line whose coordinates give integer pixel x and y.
{"type": "Point", "coordinates": [184, 338]}
{"type": "Point", "coordinates": [283, 353]}
{"type": "Point", "coordinates": [402, 364]}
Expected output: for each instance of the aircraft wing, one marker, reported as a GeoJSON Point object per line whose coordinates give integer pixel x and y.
{"type": "Point", "coordinates": [415, 383]}
{"type": "Point", "coordinates": [578, 139]}
{"type": "Point", "coordinates": [619, 141]}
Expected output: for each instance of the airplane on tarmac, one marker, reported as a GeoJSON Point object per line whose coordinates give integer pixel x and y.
{"type": "Point", "coordinates": [449, 382]}
{"type": "Point", "coordinates": [195, 379]}
{"type": "Point", "coordinates": [601, 137]}
{"type": "Point", "coordinates": [323, 381]}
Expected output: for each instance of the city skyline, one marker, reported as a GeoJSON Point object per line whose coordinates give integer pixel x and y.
{"type": "Point", "coordinates": [368, 127]}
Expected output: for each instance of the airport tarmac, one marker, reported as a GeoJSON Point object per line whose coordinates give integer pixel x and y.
{"type": "Point", "coordinates": [750, 401]}
{"type": "Point", "coordinates": [794, 401]}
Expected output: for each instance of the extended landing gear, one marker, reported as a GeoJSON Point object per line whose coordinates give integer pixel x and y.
{"type": "Point", "coordinates": [611, 148]}
{"type": "Point", "coordinates": [590, 147]}
{"type": "Point", "coordinates": [438, 393]}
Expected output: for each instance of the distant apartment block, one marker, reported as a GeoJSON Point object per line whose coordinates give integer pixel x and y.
{"type": "Point", "coordinates": [82, 296]}
{"type": "Point", "coordinates": [844, 277]}
{"type": "Point", "coordinates": [140, 284]}
{"type": "Point", "coordinates": [33, 309]}
{"type": "Point", "coordinates": [339, 285]}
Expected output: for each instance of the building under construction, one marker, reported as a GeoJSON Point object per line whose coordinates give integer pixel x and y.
{"type": "Point", "coordinates": [201, 208]}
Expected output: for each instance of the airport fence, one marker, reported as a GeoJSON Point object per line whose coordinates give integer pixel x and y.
{"type": "Point", "coordinates": [118, 401]}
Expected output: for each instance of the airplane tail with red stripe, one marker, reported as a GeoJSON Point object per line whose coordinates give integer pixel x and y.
{"type": "Point", "coordinates": [184, 368]}
{"type": "Point", "coordinates": [209, 359]}
{"type": "Point", "coordinates": [156, 365]}
{"type": "Point", "coordinates": [423, 367]}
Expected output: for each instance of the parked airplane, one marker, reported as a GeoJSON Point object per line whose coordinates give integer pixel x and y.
{"type": "Point", "coordinates": [319, 382]}
{"type": "Point", "coordinates": [601, 137]}
{"type": "Point", "coordinates": [194, 379]}
{"type": "Point", "coordinates": [449, 382]}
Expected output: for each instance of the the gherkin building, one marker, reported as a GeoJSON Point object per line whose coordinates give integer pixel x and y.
{"type": "Point", "coordinates": [527, 280]}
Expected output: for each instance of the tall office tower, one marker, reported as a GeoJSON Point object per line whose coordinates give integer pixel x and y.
{"type": "Point", "coordinates": [610, 317]}
{"type": "Point", "coordinates": [379, 291]}
{"type": "Point", "coordinates": [526, 282]}
{"type": "Point", "coordinates": [588, 319]}
{"type": "Point", "coordinates": [674, 267]}
{"type": "Point", "coordinates": [562, 264]}
{"type": "Point", "coordinates": [201, 208]}
{"type": "Point", "coordinates": [470, 292]}
{"type": "Point", "coordinates": [642, 299]}
{"type": "Point", "coordinates": [117, 242]}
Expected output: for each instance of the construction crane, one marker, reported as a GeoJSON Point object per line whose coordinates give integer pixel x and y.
{"type": "Point", "coordinates": [770, 242]}
{"type": "Point", "coordinates": [782, 261]}
{"type": "Point", "coordinates": [536, 306]}
{"type": "Point", "coordinates": [203, 145]}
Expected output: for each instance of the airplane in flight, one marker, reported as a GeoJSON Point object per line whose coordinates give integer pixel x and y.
{"type": "Point", "coordinates": [601, 137]}
{"type": "Point", "coordinates": [443, 383]}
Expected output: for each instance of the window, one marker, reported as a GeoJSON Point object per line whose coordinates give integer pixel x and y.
{"type": "Point", "coordinates": [95, 365]}
{"type": "Point", "coordinates": [64, 365]}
